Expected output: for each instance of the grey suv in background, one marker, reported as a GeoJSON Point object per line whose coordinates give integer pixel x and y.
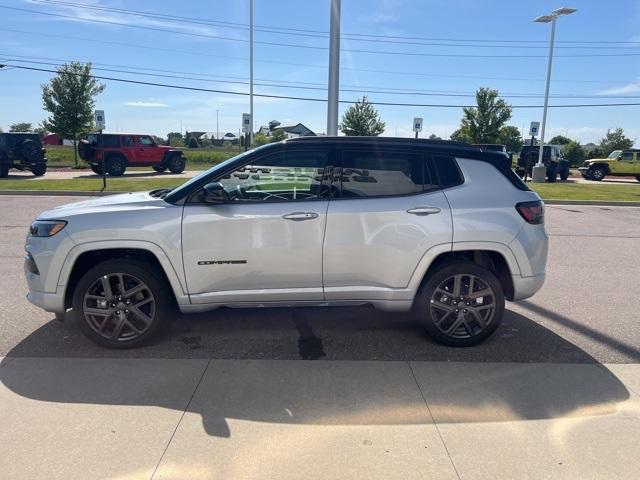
{"type": "Point", "coordinates": [438, 229]}
{"type": "Point", "coordinates": [22, 151]}
{"type": "Point", "coordinates": [552, 158]}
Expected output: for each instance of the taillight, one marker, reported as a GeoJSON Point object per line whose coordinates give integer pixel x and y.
{"type": "Point", "coordinates": [532, 212]}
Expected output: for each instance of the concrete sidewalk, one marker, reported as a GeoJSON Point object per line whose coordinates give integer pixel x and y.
{"type": "Point", "coordinates": [159, 418]}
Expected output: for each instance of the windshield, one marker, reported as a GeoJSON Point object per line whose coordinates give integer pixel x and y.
{"type": "Point", "coordinates": [615, 154]}
{"type": "Point", "coordinates": [175, 193]}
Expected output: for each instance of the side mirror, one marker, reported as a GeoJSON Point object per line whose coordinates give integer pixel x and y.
{"type": "Point", "coordinates": [214, 193]}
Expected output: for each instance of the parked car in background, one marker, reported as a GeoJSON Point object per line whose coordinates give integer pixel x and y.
{"type": "Point", "coordinates": [621, 163]}
{"type": "Point", "coordinates": [119, 151]}
{"type": "Point", "coordinates": [22, 151]}
{"type": "Point", "coordinates": [437, 228]}
{"type": "Point", "coordinates": [496, 147]}
{"type": "Point", "coordinates": [551, 158]}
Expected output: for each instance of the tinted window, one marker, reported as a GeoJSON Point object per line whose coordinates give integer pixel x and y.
{"type": "Point", "coordinates": [283, 176]}
{"type": "Point", "coordinates": [146, 141]}
{"type": "Point", "coordinates": [448, 172]}
{"type": "Point", "coordinates": [627, 156]}
{"type": "Point", "coordinates": [110, 141]}
{"type": "Point", "coordinates": [127, 141]}
{"type": "Point", "coordinates": [376, 173]}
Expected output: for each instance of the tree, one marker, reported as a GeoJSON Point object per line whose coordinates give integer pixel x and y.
{"type": "Point", "coordinates": [278, 135]}
{"type": "Point", "coordinates": [615, 140]}
{"type": "Point", "coordinates": [41, 130]}
{"type": "Point", "coordinates": [559, 140]}
{"type": "Point", "coordinates": [433, 136]}
{"type": "Point", "coordinates": [511, 138]}
{"type": "Point", "coordinates": [361, 119]}
{"type": "Point", "coordinates": [21, 127]}
{"type": "Point", "coordinates": [460, 136]}
{"type": "Point", "coordinates": [260, 139]}
{"type": "Point", "coordinates": [175, 139]}
{"type": "Point", "coordinates": [574, 153]}
{"type": "Point", "coordinates": [482, 124]}
{"type": "Point", "coordinates": [69, 98]}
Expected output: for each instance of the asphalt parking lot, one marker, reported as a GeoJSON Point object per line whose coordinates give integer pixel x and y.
{"type": "Point", "coordinates": [586, 312]}
{"type": "Point", "coordinates": [554, 393]}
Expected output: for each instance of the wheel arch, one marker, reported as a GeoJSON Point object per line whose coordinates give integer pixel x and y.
{"type": "Point", "coordinates": [500, 261]}
{"type": "Point", "coordinates": [606, 167]}
{"type": "Point", "coordinates": [85, 256]}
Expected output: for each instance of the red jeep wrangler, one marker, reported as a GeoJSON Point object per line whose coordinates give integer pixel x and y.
{"type": "Point", "coordinates": [120, 151]}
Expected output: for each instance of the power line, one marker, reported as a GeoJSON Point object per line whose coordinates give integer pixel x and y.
{"type": "Point", "coordinates": [183, 75]}
{"type": "Point", "coordinates": [310, 99]}
{"type": "Point", "coordinates": [306, 65]}
{"type": "Point", "coordinates": [313, 47]}
{"type": "Point", "coordinates": [318, 33]}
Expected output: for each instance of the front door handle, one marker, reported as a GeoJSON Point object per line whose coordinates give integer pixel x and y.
{"type": "Point", "coordinates": [300, 216]}
{"type": "Point", "coordinates": [424, 210]}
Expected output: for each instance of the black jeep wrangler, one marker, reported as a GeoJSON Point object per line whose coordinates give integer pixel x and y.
{"type": "Point", "coordinates": [551, 158]}
{"type": "Point", "coordinates": [22, 151]}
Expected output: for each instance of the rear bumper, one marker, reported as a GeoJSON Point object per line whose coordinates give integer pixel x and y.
{"type": "Point", "coordinates": [525, 287]}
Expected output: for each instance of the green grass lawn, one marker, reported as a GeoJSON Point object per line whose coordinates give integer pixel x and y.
{"type": "Point", "coordinates": [197, 159]}
{"type": "Point", "coordinates": [557, 191]}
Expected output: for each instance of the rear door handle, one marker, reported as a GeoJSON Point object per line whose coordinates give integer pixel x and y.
{"type": "Point", "coordinates": [424, 210]}
{"type": "Point", "coordinates": [300, 216]}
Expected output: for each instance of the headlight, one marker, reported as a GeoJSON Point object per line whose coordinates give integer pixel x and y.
{"type": "Point", "coordinates": [46, 228]}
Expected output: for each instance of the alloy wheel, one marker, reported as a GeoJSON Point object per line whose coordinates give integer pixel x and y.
{"type": "Point", "coordinates": [119, 307]}
{"type": "Point", "coordinates": [463, 306]}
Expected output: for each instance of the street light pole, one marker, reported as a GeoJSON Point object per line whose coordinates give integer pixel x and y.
{"type": "Point", "coordinates": [251, 72]}
{"type": "Point", "coordinates": [217, 126]}
{"type": "Point", "coordinates": [334, 69]}
{"type": "Point", "coordinates": [538, 173]}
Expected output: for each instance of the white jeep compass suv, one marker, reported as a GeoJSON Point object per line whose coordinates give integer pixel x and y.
{"type": "Point", "coordinates": [437, 228]}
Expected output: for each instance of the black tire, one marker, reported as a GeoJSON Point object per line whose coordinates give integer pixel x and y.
{"type": "Point", "coordinates": [176, 164]}
{"type": "Point", "coordinates": [103, 328]}
{"type": "Point", "coordinates": [564, 171]}
{"type": "Point", "coordinates": [4, 165]}
{"type": "Point", "coordinates": [159, 168]}
{"type": "Point", "coordinates": [30, 151]}
{"type": "Point", "coordinates": [86, 151]}
{"type": "Point", "coordinates": [97, 169]}
{"type": "Point", "coordinates": [39, 169]}
{"type": "Point", "coordinates": [597, 173]}
{"type": "Point", "coordinates": [638, 178]}
{"type": "Point", "coordinates": [116, 166]}
{"type": "Point", "coordinates": [552, 173]}
{"type": "Point", "coordinates": [428, 311]}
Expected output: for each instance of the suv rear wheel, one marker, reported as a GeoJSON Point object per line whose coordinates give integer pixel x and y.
{"type": "Point", "coordinates": [30, 151]}
{"type": "Point", "coordinates": [461, 304]}
{"type": "Point", "coordinates": [176, 164]}
{"type": "Point", "coordinates": [122, 303]}
{"type": "Point", "coordinates": [116, 166]}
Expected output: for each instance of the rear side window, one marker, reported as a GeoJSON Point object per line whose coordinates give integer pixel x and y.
{"type": "Point", "coordinates": [449, 174]}
{"type": "Point", "coordinates": [376, 173]}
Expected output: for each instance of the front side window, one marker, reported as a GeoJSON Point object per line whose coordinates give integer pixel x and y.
{"type": "Point", "coordinates": [376, 173]}
{"type": "Point", "coordinates": [615, 154]}
{"type": "Point", "coordinates": [284, 176]}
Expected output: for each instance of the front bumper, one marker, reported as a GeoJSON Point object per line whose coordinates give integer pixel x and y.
{"type": "Point", "coordinates": [525, 287]}
{"type": "Point", "coordinates": [50, 302]}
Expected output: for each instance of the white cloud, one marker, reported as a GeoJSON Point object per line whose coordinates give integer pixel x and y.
{"type": "Point", "coordinates": [146, 104]}
{"type": "Point", "coordinates": [629, 88]}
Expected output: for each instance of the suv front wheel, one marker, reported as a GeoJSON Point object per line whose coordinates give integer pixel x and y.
{"type": "Point", "coordinates": [122, 303]}
{"type": "Point", "coordinates": [461, 304]}
{"type": "Point", "coordinates": [176, 164]}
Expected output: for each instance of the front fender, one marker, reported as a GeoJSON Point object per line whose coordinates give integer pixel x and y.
{"type": "Point", "coordinates": [175, 280]}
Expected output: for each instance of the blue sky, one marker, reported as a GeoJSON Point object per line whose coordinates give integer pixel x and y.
{"type": "Point", "coordinates": [157, 110]}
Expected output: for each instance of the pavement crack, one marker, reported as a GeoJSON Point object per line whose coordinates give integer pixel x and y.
{"type": "Point", "coordinates": [193, 394]}
{"type": "Point", "coordinates": [310, 345]}
{"type": "Point", "coordinates": [433, 419]}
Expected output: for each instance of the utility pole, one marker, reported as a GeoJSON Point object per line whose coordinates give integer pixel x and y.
{"type": "Point", "coordinates": [334, 69]}
{"type": "Point", "coordinates": [217, 126]}
{"type": "Point", "coordinates": [251, 71]}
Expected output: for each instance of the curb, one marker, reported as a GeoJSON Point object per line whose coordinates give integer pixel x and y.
{"type": "Point", "coordinates": [595, 203]}
{"type": "Point", "coordinates": [72, 193]}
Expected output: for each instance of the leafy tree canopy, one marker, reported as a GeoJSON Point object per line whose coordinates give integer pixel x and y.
{"type": "Point", "coordinates": [361, 119]}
